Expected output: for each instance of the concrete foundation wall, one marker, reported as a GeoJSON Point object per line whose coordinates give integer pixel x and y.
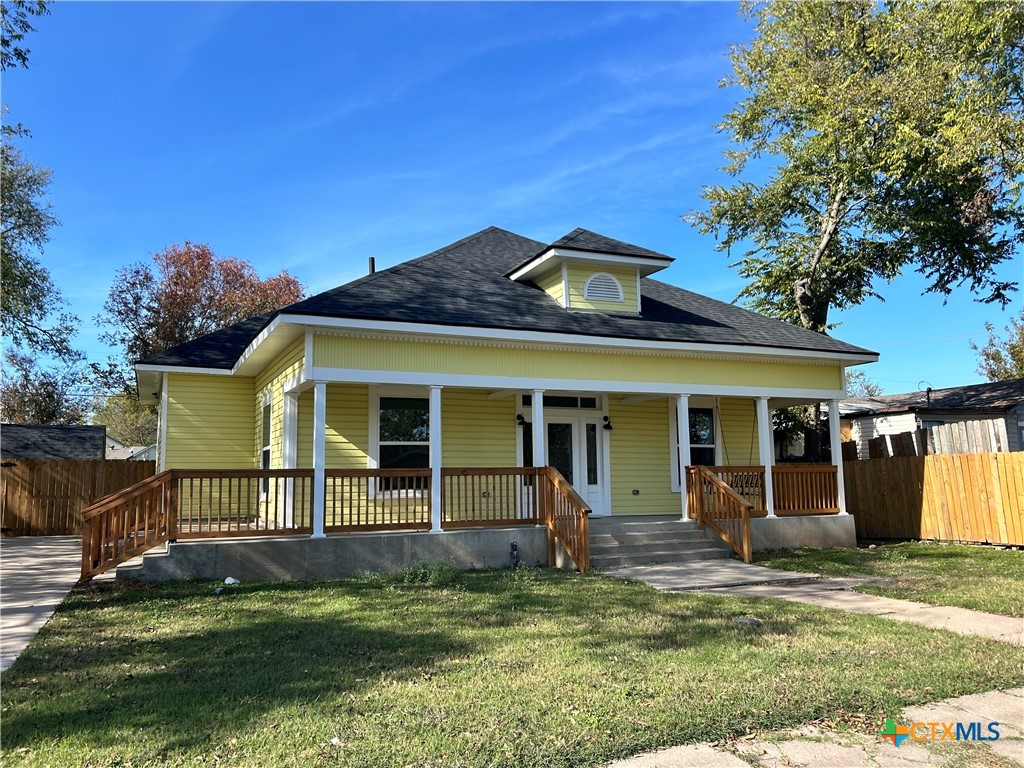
{"type": "Point", "coordinates": [340, 556]}
{"type": "Point", "coordinates": [810, 531]}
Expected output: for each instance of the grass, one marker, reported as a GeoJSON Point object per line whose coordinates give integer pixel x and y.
{"type": "Point", "coordinates": [980, 578]}
{"type": "Point", "coordinates": [481, 669]}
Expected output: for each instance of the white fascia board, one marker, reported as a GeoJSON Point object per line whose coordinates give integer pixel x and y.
{"type": "Point", "coordinates": [544, 337]}
{"type": "Point", "coordinates": [467, 380]}
{"type": "Point", "coordinates": [184, 369]}
{"type": "Point", "coordinates": [540, 264]}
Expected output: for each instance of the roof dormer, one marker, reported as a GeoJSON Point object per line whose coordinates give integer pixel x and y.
{"type": "Point", "coordinates": [588, 272]}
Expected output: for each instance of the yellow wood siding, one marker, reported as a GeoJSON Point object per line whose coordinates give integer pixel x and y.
{"type": "Point", "coordinates": [346, 443]}
{"type": "Point", "coordinates": [272, 380]}
{"type": "Point", "coordinates": [209, 422]}
{"type": "Point", "coordinates": [640, 456]}
{"type": "Point", "coordinates": [738, 430]}
{"type": "Point", "coordinates": [476, 431]}
{"type": "Point", "coordinates": [431, 357]}
{"type": "Point", "coordinates": [551, 283]}
{"type": "Point", "coordinates": [578, 274]}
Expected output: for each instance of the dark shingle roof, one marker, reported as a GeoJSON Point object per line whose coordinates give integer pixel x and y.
{"type": "Point", "coordinates": [585, 240]}
{"type": "Point", "coordinates": [220, 349]}
{"type": "Point", "coordinates": [990, 396]}
{"type": "Point", "coordinates": [51, 441]}
{"type": "Point", "coordinates": [464, 284]}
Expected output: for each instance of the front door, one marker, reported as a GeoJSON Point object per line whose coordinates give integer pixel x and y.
{"type": "Point", "coordinates": [575, 449]}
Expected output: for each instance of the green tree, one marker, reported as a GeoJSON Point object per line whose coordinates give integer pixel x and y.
{"type": "Point", "coordinates": [859, 385]}
{"type": "Point", "coordinates": [31, 394]}
{"type": "Point", "coordinates": [872, 138]}
{"type": "Point", "coordinates": [31, 307]}
{"type": "Point", "coordinates": [126, 418]}
{"type": "Point", "coordinates": [1002, 357]}
{"type": "Point", "coordinates": [15, 23]}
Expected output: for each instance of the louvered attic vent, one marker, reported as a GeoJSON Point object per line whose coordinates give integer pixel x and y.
{"type": "Point", "coordinates": [601, 286]}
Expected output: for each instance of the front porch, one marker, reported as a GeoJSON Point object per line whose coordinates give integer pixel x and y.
{"type": "Point", "coordinates": [533, 507]}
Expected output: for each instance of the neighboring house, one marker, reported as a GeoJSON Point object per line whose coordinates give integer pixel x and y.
{"type": "Point", "coordinates": [117, 450]}
{"type": "Point", "coordinates": [51, 441]}
{"type": "Point", "coordinates": [909, 411]}
{"type": "Point", "coordinates": [439, 370]}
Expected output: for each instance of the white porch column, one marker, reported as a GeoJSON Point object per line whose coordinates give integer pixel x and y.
{"type": "Point", "coordinates": [435, 459]}
{"type": "Point", "coordinates": [766, 449]}
{"type": "Point", "coordinates": [289, 450]}
{"type": "Point", "coordinates": [836, 441]}
{"type": "Point", "coordinates": [319, 466]}
{"type": "Point", "coordinates": [540, 456]}
{"type": "Point", "coordinates": [683, 449]}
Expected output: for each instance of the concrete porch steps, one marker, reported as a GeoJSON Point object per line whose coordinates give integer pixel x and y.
{"type": "Point", "coordinates": [617, 543]}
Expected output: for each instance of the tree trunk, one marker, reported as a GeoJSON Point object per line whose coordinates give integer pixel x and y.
{"type": "Point", "coordinates": [811, 304]}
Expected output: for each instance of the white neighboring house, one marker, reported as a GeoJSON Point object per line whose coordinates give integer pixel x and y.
{"type": "Point", "coordinates": [118, 450]}
{"type": "Point", "coordinates": [871, 417]}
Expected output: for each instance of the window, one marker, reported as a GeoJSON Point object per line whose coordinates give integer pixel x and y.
{"type": "Point", "coordinates": [265, 441]}
{"type": "Point", "coordinates": [702, 441]}
{"type": "Point", "coordinates": [404, 435]}
{"type": "Point", "coordinates": [563, 401]}
{"type": "Point", "coordinates": [601, 286]}
{"type": "Point", "coordinates": [929, 423]}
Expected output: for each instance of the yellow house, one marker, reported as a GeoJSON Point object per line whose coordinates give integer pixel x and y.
{"type": "Point", "coordinates": [435, 394]}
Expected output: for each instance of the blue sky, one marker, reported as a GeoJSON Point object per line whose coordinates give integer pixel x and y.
{"type": "Point", "coordinates": [309, 136]}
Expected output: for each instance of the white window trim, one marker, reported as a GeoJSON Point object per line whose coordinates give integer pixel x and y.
{"type": "Point", "coordinates": [373, 454]}
{"type": "Point", "coordinates": [266, 449]}
{"type": "Point", "coordinates": [590, 279]}
{"type": "Point", "coordinates": [696, 403]}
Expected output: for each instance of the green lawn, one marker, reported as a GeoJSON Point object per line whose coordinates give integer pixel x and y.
{"type": "Point", "coordinates": [981, 578]}
{"type": "Point", "coordinates": [523, 668]}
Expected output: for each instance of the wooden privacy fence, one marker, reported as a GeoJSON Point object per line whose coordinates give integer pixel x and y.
{"type": "Point", "coordinates": [45, 497]}
{"type": "Point", "coordinates": [972, 436]}
{"type": "Point", "coordinates": [970, 497]}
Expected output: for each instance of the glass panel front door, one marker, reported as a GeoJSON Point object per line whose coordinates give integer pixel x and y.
{"type": "Point", "coordinates": [560, 454]}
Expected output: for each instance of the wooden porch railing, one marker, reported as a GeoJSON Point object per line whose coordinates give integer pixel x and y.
{"type": "Point", "coordinates": [480, 497]}
{"type": "Point", "coordinates": [567, 517]}
{"type": "Point", "coordinates": [127, 523]}
{"type": "Point", "coordinates": [799, 489]}
{"type": "Point", "coordinates": [806, 489]}
{"type": "Point", "coordinates": [717, 506]}
{"type": "Point", "coordinates": [197, 504]}
{"type": "Point", "coordinates": [376, 500]}
{"type": "Point", "coordinates": [219, 503]}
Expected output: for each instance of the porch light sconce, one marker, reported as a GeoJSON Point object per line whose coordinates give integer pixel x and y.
{"type": "Point", "coordinates": [608, 424]}
{"type": "Point", "coordinates": [520, 420]}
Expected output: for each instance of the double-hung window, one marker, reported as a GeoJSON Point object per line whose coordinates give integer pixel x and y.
{"type": "Point", "coordinates": [404, 436]}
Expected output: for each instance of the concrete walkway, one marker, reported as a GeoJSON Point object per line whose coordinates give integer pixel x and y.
{"type": "Point", "coordinates": [707, 575]}
{"type": "Point", "coordinates": [811, 746]}
{"type": "Point", "coordinates": [36, 573]}
{"type": "Point", "coordinates": [839, 593]}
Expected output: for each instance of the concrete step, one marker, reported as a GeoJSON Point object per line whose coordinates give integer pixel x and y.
{"type": "Point", "coordinates": [597, 526]}
{"type": "Point", "coordinates": [661, 546]}
{"type": "Point", "coordinates": [648, 558]}
{"type": "Point", "coordinates": [646, 538]}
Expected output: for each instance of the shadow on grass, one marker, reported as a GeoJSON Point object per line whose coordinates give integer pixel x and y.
{"type": "Point", "coordinates": [226, 665]}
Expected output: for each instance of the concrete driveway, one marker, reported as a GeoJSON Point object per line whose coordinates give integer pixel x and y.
{"type": "Point", "coordinates": [36, 572]}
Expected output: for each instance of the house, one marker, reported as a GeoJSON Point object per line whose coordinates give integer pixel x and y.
{"type": "Point", "coordinates": [118, 450]}
{"type": "Point", "coordinates": [909, 411]}
{"type": "Point", "coordinates": [435, 395]}
{"type": "Point", "coordinates": [52, 441]}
